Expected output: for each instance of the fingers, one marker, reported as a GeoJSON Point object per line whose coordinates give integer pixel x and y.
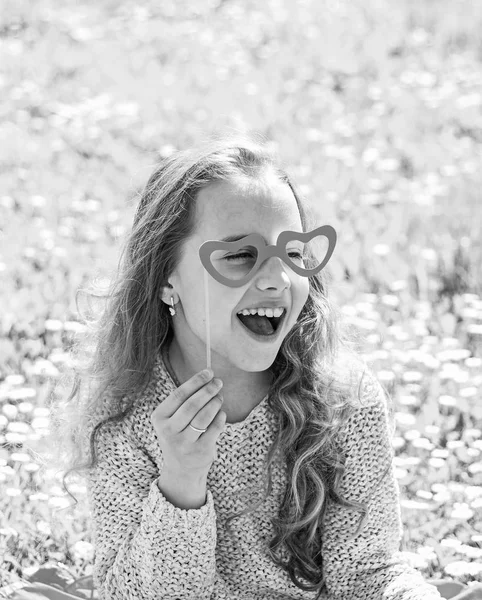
{"type": "Point", "coordinates": [175, 400]}
{"type": "Point", "coordinates": [195, 402]}
{"type": "Point", "coordinates": [205, 417]}
{"type": "Point", "coordinates": [213, 431]}
{"type": "Point", "coordinates": [200, 409]}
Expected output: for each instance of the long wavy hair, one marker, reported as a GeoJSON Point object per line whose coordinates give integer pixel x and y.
{"type": "Point", "coordinates": [316, 371]}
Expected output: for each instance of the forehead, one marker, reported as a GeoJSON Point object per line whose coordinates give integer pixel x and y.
{"type": "Point", "coordinates": [266, 206]}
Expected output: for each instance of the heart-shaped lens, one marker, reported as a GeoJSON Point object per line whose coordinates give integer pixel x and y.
{"type": "Point", "coordinates": [307, 255]}
{"type": "Point", "coordinates": [234, 264]}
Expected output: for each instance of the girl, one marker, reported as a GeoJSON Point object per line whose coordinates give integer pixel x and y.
{"type": "Point", "coordinates": [269, 476]}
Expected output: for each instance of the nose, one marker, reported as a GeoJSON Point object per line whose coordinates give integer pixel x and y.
{"type": "Point", "coordinates": [272, 274]}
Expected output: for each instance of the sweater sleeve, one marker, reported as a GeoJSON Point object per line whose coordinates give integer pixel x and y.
{"type": "Point", "coordinates": [145, 547]}
{"type": "Point", "coordinates": [365, 567]}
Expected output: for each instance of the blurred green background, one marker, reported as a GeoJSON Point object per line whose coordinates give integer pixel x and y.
{"type": "Point", "coordinates": [375, 108]}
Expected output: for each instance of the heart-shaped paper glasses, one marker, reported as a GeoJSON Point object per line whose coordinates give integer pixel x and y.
{"type": "Point", "coordinates": [261, 253]}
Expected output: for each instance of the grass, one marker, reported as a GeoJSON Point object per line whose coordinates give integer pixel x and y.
{"type": "Point", "coordinates": [375, 108]}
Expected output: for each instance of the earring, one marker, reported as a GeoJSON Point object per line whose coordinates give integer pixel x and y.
{"type": "Point", "coordinates": [171, 310]}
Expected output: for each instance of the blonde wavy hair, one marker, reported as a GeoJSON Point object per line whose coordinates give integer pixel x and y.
{"type": "Point", "coordinates": [316, 371]}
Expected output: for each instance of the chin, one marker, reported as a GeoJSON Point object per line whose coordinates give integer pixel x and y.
{"type": "Point", "coordinates": [262, 362]}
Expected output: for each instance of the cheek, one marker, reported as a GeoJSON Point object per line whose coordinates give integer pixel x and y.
{"type": "Point", "coordinates": [195, 316]}
{"type": "Point", "coordinates": [221, 305]}
{"type": "Point", "coordinates": [302, 293]}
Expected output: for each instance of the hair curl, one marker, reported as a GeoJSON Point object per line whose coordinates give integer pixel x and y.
{"type": "Point", "coordinates": [313, 383]}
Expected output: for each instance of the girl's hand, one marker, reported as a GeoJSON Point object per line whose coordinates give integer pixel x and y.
{"type": "Point", "coordinates": [194, 402]}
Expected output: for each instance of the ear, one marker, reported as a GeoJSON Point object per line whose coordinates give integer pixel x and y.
{"type": "Point", "coordinates": [166, 293]}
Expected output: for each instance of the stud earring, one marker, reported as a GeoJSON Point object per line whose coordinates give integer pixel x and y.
{"type": "Point", "coordinates": [171, 310]}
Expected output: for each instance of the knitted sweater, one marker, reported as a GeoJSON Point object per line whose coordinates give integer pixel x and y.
{"type": "Point", "coordinates": [146, 548]}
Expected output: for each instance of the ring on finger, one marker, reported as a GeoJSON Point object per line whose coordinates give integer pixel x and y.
{"type": "Point", "coordinates": [196, 429]}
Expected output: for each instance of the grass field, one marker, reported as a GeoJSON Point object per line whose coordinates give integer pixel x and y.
{"type": "Point", "coordinates": [376, 109]}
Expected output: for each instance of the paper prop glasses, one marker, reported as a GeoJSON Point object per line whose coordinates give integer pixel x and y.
{"type": "Point", "coordinates": [234, 269]}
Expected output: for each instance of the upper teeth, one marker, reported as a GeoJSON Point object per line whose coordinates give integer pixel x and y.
{"type": "Point", "coordinates": [268, 312]}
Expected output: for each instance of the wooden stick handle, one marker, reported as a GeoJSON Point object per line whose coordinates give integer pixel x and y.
{"type": "Point", "coordinates": [208, 328]}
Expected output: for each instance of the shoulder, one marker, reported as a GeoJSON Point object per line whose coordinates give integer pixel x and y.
{"type": "Point", "coordinates": [145, 402]}
{"type": "Point", "coordinates": [372, 393]}
{"type": "Point", "coordinates": [365, 437]}
{"type": "Point", "coordinates": [367, 389]}
{"type": "Point", "coordinates": [372, 411]}
{"type": "Point", "coordinates": [136, 424]}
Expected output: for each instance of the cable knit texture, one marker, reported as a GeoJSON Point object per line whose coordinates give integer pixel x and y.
{"type": "Point", "coordinates": [146, 548]}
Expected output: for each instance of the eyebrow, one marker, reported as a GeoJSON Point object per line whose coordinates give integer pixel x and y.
{"type": "Point", "coordinates": [235, 237]}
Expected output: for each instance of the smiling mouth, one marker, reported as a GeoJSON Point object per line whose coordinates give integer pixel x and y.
{"type": "Point", "coordinates": [261, 325]}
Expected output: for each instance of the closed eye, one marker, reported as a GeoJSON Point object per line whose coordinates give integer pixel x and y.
{"type": "Point", "coordinates": [236, 256]}
{"type": "Point", "coordinates": [246, 254]}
